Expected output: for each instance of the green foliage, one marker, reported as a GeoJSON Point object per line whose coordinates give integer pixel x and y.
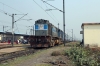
{"type": "Point", "coordinates": [81, 56]}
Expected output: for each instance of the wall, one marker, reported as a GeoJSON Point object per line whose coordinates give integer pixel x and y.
{"type": "Point", "coordinates": [92, 35]}
{"type": "Point", "coordinates": [0, 37]}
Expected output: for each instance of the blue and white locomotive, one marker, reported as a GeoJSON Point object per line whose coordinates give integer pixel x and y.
{"type": "Point", "coordinates": [46, 34]}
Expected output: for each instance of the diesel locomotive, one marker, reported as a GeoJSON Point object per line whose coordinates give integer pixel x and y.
{"type": "Point", "coordinates": [46, 34]}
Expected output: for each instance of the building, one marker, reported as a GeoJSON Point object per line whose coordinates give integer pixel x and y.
{"type": "Point", "coordinates": [91, 34]}
{"type": "Point", "coordinates": [4, 37]}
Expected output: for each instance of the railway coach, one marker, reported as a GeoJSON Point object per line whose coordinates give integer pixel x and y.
{"type": "Point", "coordinates": [46, 34]}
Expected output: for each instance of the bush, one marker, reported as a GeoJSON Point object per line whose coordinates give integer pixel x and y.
{"type": "Point", "coordinates": [81, 56]}
{"type": "Point", "coordinates": [56, 53]}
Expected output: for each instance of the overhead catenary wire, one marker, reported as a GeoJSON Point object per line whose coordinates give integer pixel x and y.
{"type": "Point", "coordinates": [6, 13]}
{"type": "Point", "coordinates": [43, 9]}
{"type": "Point", "coordinates": [9, 15]}
{"type": "Point", "coordinates": [15, 10]}
{"type": "Point", "coordinates": [17, 27]}
{"type": "Point", "coordinates": [2, 11]}
{"type": "Point", "coordinates": [1, 26]}
{"type": "Point", "coordinates": [11, 7]}
{"type": "Point", "coordinates": [52, 5]}
{"type": "Point", "coordinates": [53, 14]}
{"type": "Point", "coordinates": [8, 30]}
{"type": "Point", "coordinates": [7, 21]}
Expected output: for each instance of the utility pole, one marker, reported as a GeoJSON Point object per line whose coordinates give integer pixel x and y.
{"type": "Point", "coordinates": [26, 32]}
{"type": "Point", "coordinates": [58, 29]}
{"type": "Point", "coordinates": [63, 15]}
{"type": "Point", "coordinates": [4, 30]}
{"type": "Point", "coordinates": [33, 30]}
{"type": "Point", "coordinates": [67, 37]}
{"type": "Point", "coordinates": [3, 33]}
{"type": "Point", "coordinates": [64, 19]}
{"type": "Point", "coordinates": [72, 34]}
{"type": "Point", "coordinates": [58, 25]}
{"type": "Point", "coordinates": [13, 21]}
{"type": "Point", "coordinates": [12, 29]}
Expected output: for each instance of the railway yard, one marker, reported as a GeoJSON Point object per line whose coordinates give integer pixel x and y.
{"type": "Point", "coordinates": [16, 56]}
{"type": "Point", "coordinates": [44, 48]}
{"type": "Point", "coordinates": [23, 55]}
{"type": "Point", "coordinates": [47, 41]}
{"type": "Point", "coordinates": [48, 47]}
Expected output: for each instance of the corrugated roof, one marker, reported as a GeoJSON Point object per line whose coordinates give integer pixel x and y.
{"type": "Point", "coordinates": [90, 24]}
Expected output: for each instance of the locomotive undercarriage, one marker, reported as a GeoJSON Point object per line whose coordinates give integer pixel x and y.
{"type": "Point", "coordinates": [43, 41]}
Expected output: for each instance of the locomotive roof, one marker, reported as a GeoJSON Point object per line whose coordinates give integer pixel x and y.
{"type": "Point", "coordinates": [42, 21]}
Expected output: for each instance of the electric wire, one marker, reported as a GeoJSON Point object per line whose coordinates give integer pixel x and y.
{"type": "Point", "coordinates": [15, 24]}
{"type": "Point", "coordinates": [9, 15]}
{"type": "Point", "coordinates": [9, 23]}
{"type": "Point", "coordinates": [43, 9]}
{"type": "Point", "coordinates": [2, 11]}
{"type": "Point", "coordinates": [6, 12]}
{"type": "Point", "coordinates": [52, 14]}
{"type": "Point", "coordinates": [15, 9]}
{"type": "Point", "coordinates": [10, 7]}
{"type": "Point", "coordinates": [17, 27]}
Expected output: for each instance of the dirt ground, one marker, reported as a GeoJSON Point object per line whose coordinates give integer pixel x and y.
{"type": "Point", "coordinates": [44, 58]}
{"type": "Point", "coordinates": [16, 47]}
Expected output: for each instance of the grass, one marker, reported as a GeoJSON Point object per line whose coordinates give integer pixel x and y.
{"type": "Point", "coordinates": [20, 59]}
{"type": "Point", "coordinates": [15, 61]}
{"type": "Point", "coordinates": [25, 58]}
{"type": "Point", "coordinates": [61, 49]}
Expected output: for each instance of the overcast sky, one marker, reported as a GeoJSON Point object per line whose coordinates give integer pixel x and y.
{"type": "Point", "coordinates": [77, 12]}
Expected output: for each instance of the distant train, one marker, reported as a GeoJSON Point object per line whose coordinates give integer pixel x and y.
{"type": "Point", "coordinates": [46, 35]}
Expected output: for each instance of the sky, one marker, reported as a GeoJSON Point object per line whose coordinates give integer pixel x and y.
{"type": "Point", "coordinates": [76, 13]}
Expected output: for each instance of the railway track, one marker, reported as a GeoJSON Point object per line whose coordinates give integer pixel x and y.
{"type": "Point", "coordinates": [12, 55]}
